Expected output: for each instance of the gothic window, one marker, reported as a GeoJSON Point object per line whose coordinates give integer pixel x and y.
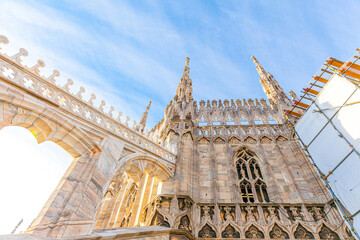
{"type": "Point", "coordinates": [246, 191]}
{"type": "Point", "coordinates": [326, 233]}
{"type": "Point", "coordinates": [230, 232]}
{"type": "Point", "coordinates": [261, 193]}
{"type": "Point", "coordinates": [278, 233]}
{"type": "Point", "coordinates": [207, 232]}
{"type": "Point", "coordinates": [251, 183]}
{"type": "Point", "coordinates": [302, 233]}
{"type": "Point", "coordinates": [254, 232]}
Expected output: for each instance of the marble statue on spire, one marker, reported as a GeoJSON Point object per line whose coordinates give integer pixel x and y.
{"type": "Point", "coordinates": [184, 91]}
{"type": "Point", "coordinates": [142, 124]}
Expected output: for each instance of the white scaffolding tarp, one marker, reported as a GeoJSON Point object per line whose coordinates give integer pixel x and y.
{"type": "Point", "coordinates": [334, 145]}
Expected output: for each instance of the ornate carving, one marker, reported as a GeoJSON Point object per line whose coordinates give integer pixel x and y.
{"type": "Point", "coordinates": [278, 233]}
{"type": "Point", "coordinates": [326, 233]}
{"type": "Point", "coordinates": [302, 233]}
{"type": "Point", "coordinates": [272, 214]}
{"type": "Point", "coordinates": [254, 232]}
{"type": "Point", "coordinates": [230, 232]}
{"type": "Point", "coordinates": [280, 139]}
{"type": "Point", "coordinates": [184, 204]}
{"type": "Point", "coordinates": [316, 212]}
{"type": "Point", "coordinates": [250, 217]}
{"type": "Point", "coordinates": [185, 224]}
{"type": "Point", "coordinates": [203, 141]}
{"type": "Point", "coordinates": [227, 213]}
{"type": "Point", "coordinates": [265, 140]}
{"type": "Point", "coordinates": [219, 140]}
{"type": "Point", "coordinates": [234, 141]}
{"type": "Point", "coordinates": [250, 140]}
{"type": "Point", "coordinates": [207, 232]}
{"type": "Point", "coordinates": [295, 213]}
{"type": "Point", "coordinates": [207, 213]}
{"type": "Point", "coordinates": [159, 220]}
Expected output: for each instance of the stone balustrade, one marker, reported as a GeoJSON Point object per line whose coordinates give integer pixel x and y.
{"type": "Point", "coordinates": [29, 78]}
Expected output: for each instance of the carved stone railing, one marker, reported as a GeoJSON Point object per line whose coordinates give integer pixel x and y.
{"type": "Point", "coordinates": [29, 78]}
{"type": "Point", "coordinates": [256, 131]}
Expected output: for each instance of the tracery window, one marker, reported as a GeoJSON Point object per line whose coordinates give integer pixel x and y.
{"type": "Point", "coordinates": [251, 182]}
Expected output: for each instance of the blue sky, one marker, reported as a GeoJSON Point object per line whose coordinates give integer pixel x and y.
{"type": "Point", "coordinates": [130, 52]}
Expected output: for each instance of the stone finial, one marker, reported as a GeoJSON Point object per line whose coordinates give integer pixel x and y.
{"type": "Point", "coordinates": [208, 104]}
{"type": "Point", "coordinates": [214, 103]}
{"type": "Point", "coordinates": [127, 121]}
{"type": "Point", "coordinates": [35, 68]}
{"type": "Point", "coordinates": [110, 113]}
{"type": "Point", "coordinates": [134, 124]}
{"type": "Point", "coordinates": [102, 105]}
{"type": "Point", "coordinates": [263, 102]}
{"type": "Point", "coordinates": [142, 122]}
{"type": "Point", "coordinates": [220, 104]}
{"type": "Point", "coordinates": [17, 57]}
{"type": "Point", "coordinates": [184, 90]}
{"type": "Point", "coordinates": [3, 40]}
{"type": "Point", "coordinates": [52, 77]}
{"type": "Point", "coordinates": [258, 66]}
{"type": "Point", "coordinates": [187, 61]}
{"type": "Point", "coordinates": [67, 85]}
{"type": "Point", "coordinates": [91, 100]}
{"type": "Point", "coordinates": [119, 116]}
{"type": "Point", "coordinates": [80, 92]}
{"type": "Point", "coordinates": [238, 103]}
{"type": "Point", "coordinates": [245, 104]}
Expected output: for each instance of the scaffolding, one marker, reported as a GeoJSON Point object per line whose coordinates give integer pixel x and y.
{"type": "Point", "coordinates": [326, 121]}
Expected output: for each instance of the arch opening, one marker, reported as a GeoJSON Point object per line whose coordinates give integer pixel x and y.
{"type": "Point", "coordinates": [29, 174]}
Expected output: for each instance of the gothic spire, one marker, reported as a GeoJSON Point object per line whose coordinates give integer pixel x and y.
{"type": "Point", "coordinates": [184, 90]}
{"type": "Point", "coordinates": [142, 123]}
{"type": "Point", "coordinates": [271, 87]}
{"type": "Point", "coordinates": [258, 66]}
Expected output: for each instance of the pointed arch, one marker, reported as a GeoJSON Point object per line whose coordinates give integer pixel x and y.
{"type": "Point", "coordinates": [278, 233]}
{"type": "Point", "coordinates": [302, 233]}
{"type": "Point", "coordinates": [327, 233]}
{"type": "Point", "coordinates": [207, 232]}
{"type": "Point", "coordinates": [250, 140]}
{"type": "Point", "coordinates": [185, 223]}
{"type": "Point", "coordinates": [252, 186]}
{"type": "Point", "coordinates": [265, 139]}
{"type": "Point", "coordinates": [219, 140]}
{"type": "Point", "coordinates": [230, 232]}
{"type": "Point", "coordinates": [261, 191]}
{"type": "Point", "coordinates": [234, 141]}
{"type": "Point", "coordinates": [254, 232]}
{"type": "Point", "coordinates": [159, 220]}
